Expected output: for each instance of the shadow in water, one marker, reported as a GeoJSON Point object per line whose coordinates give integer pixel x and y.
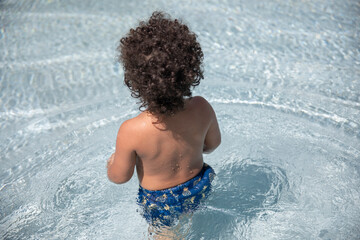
{"type": "Point", "coordinates": [242, 190]}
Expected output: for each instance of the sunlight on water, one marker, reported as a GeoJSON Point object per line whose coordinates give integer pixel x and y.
{"type": "Point", "coordinates": [282, 76]}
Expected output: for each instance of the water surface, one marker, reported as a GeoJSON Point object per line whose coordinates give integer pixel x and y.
{"type": "Point", "coordinates": [282, 76]}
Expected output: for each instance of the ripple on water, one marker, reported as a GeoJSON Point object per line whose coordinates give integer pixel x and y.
{"type": "Point", "coordinates": [74, 205]}
{"type": "Point", "coordinates": [244, 189]}
{"type": "Point", "coordinates": [285, 91]}
{"type": "Point", "coordinates": [25, 217]}
{"type": "Point", "coordinates": [253, 184]}
{"type": "Point", "coordinates": [71, 188]}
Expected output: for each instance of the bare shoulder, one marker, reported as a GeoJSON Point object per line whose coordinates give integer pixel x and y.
{"type": "Point", "coordinates": [201, 105]}
{"type": "Point", "coordinates": [199, 100]}
{"type": "Point", "coordinates": [132, 126]}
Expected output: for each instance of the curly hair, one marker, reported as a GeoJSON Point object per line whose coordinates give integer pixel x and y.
{"type": "Point", "coordinates": [162, 60]}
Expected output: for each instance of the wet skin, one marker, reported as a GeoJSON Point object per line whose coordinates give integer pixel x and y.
{"type": "Point", "coordinates": [165, 153]}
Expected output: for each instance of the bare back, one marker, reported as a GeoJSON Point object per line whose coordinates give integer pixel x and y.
{"type": "Point", "coordinates": [169, 152]}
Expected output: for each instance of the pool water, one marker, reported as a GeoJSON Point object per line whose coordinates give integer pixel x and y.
{"type": "Point", "coordinates": [282, 76]}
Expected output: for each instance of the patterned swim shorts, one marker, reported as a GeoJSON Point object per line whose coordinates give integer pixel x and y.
{"type": "Point", "coordinates": [165, 206]}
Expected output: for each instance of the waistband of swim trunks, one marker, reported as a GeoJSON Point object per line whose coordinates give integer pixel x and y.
{"type": "Point", "coordinates": [181, 185]}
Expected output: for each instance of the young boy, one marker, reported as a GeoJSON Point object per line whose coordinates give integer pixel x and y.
{"type": "Point", "coordinates": [162, 61]}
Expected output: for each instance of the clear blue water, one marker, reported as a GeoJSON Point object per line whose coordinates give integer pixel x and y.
{"type": "Point", "coordinates": [282, 76]}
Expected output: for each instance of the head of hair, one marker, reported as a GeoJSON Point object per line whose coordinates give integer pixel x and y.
{"type": "Point", "coordinates": [162, 61]}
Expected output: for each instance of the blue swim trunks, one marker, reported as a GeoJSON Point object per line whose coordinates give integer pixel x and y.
{"type": "Point", "coordinates": [165, 206]}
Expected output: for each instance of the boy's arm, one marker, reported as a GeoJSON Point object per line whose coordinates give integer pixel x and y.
{"type": "Point", "coordinates": [213, 135]}
{"type": "Point", "coordinates": [121, 164]}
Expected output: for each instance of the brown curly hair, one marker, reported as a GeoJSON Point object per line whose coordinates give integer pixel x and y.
{"type": "Point", "coordinates": [162, 60]}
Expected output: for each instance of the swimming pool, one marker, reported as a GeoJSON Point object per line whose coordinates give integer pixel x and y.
{"type": "Point", "coordinates": [282, 76]}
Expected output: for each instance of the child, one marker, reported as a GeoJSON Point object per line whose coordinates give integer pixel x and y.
{"type": "Point", "coordinates": [162, 61]}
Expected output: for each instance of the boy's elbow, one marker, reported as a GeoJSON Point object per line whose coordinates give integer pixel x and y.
{"type": "Point", "coordinates": [117, 179]}
{"type": "Point", "coordinates": [217, 142]}
{"type": "Point", "coordinates": [208, 148]}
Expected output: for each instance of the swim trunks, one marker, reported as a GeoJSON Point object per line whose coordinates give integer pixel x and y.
{"type": "Point", "coordinates": [165, 206]}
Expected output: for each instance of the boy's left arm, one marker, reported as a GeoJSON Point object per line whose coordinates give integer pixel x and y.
{"type": "Point", "coordinates": [121, 164]}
